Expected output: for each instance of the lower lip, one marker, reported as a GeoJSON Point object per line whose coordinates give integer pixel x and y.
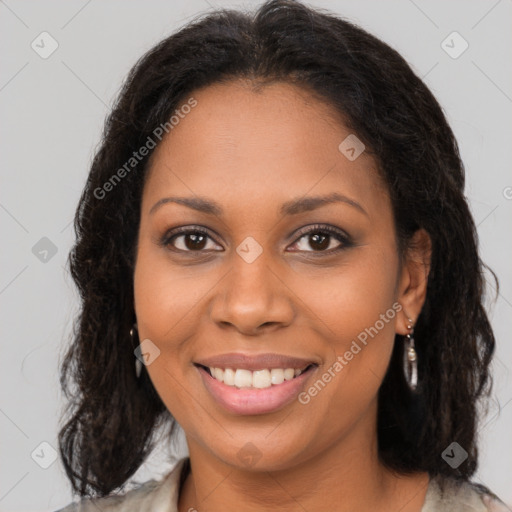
{"type": "Point", "coordinates": [253, 400]}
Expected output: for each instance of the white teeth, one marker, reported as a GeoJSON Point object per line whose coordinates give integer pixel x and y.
{"type": "Point", "coordinates": [289, 373]}
{"type": "Point", "coordinates": [277, 376]}
{"type": "Point", "coordinates": [243, 378]}
{"type": "Point", "coordinates": [229, 377]}
{"type": "Point", "coordinates": [259, 379]}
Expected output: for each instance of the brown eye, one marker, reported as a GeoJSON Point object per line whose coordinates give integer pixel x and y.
{"type": "Point", "coordinates": [194, 241]}
{"type": "Point", "coordinates": [188, 240]}
{"type": "Point", "coordinates": [321, 239]}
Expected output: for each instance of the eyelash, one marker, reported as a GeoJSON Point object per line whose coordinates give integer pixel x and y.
{"type": "Point", "coordinates": [339, 235]}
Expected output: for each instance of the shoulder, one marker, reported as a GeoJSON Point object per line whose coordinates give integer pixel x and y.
{"type": "Point", "coordinates": [133, 498]}
{"type": "Point", "coordinates": [161, 495]}
{"type": "Point", "coordinates": [446, 494]}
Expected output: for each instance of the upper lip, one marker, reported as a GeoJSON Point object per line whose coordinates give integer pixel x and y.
{"type": "Point", "coordinates": [255, 362]}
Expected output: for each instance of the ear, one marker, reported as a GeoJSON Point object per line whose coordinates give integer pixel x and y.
{"type": "Point", "coordinates": [413, 279]}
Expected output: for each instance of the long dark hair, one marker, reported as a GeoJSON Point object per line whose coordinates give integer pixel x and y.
{"type": "Point", "coordinates": [111, 418]}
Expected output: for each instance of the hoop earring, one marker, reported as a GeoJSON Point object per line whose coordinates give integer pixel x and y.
{"type": "Point", "coordinates": [410, 358]}
{"type": "Point", "coordinates": [134, 335]}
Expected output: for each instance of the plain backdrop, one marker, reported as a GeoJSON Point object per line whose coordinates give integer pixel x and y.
{"type": "Point", "coordinates": [52, 112]}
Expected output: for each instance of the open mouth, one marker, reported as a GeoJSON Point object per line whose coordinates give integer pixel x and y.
{"type": "Point", "coordinates": [258, 379]}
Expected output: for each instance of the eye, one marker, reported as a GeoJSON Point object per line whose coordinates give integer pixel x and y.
{"type": "Point", "coordinates": [321, 237]}
{"type": "Point", "coordinates": [188, 239]}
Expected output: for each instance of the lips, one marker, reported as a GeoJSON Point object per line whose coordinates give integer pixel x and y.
{"type": "Point", "coordinates": [255, 362]}
{"type": "Point", "coordinates": [252, 401]}
{"type": "Point", "coordinates": [288, 377]}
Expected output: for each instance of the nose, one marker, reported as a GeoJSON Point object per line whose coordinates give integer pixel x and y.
{"type": "Point", "coordinates": [252, 298]}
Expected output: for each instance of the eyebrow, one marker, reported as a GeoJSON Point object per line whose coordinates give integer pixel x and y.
{"type": "Point", "coordinates": [293, 207]}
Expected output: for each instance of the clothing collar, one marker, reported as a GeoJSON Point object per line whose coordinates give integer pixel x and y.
{"type": "Point", "coordinates": [166, 495]}
{"type": "Point", "coordinates": [456, 496]}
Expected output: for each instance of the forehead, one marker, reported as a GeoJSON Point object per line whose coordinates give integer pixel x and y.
{"type": "Point", "coordinates": [242, 145]}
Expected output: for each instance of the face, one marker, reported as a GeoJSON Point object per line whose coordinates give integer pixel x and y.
{"type": "Point", "coordinates": [270, 271]}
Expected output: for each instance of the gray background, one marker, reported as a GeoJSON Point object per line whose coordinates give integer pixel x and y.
{"type": "Point", "coordinates": [52, 113]}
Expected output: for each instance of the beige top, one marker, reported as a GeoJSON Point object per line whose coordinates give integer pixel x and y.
{"type": "Point", "coordinates": [162, 496]}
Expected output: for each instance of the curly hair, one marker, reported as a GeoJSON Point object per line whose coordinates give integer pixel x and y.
{"type": "Point", "coordinates": [112, 416]}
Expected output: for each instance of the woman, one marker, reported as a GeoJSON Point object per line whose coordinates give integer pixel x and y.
{"type": "Point", "coordinates": [275, 226]}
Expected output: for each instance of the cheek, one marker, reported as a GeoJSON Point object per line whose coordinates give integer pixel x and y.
{"type": "Point", "coordinates": [165, 306]}
{"type": "Point", "coordinates": [357, 309]}
{"type": "Point", "coordinates": [165, 302]}
{"type": "Point", "coordinates": [353, 294]}
{"type": "Point", "coordinates": [166, 296]}
{"type": "Point", "coordinates": [356, 319]}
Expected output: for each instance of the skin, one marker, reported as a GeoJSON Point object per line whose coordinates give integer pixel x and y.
{"type": "Point", "coordinates": [251, 152]}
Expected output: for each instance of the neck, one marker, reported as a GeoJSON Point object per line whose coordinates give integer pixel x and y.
{"type": "Point", "coordinates": [345, 477]}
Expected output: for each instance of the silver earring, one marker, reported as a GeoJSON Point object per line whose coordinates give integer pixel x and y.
{"type": "Point", "coordinates": [410, 358]}
{"type": "Point", "coordinates": [135, 342]}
